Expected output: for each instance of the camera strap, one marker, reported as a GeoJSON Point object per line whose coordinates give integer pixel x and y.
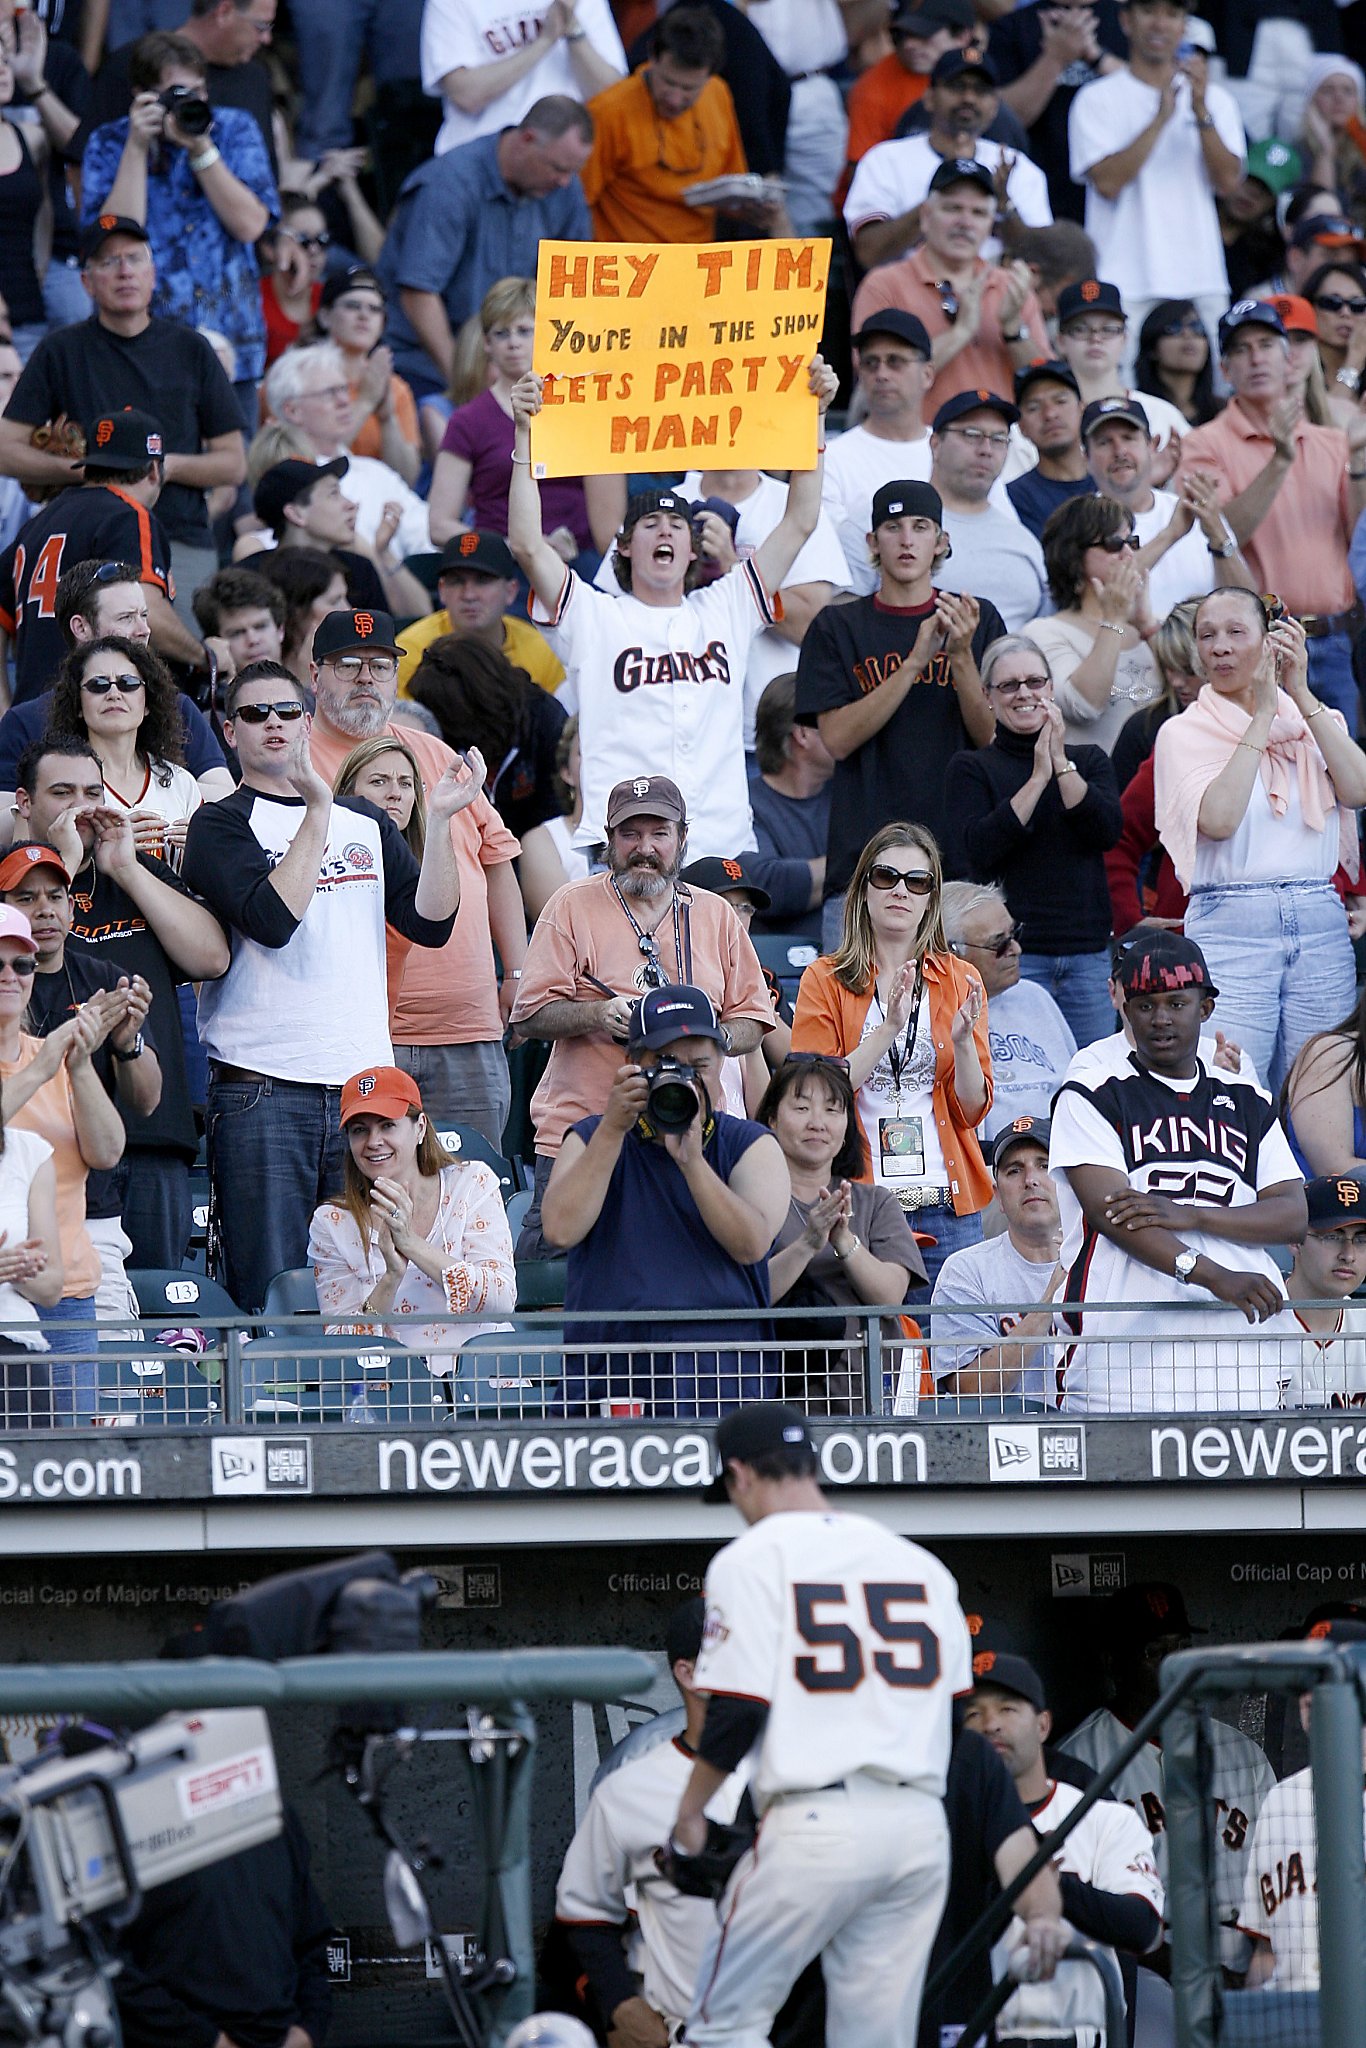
{"type": "Point", "coordinates": [646, 940]}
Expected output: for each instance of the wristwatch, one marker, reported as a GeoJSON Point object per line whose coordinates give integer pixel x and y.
{"type": "Point", "coordinates": [134, 1051]}
{"type": "Point", "coordinates": [855, 1245]}
{"type": "Point", "coordinates": [1349, 379]}
{"type": "Point", "coordinates": [1222, 554]}
{"type": "Point", "coordinates": [1186, 1263]}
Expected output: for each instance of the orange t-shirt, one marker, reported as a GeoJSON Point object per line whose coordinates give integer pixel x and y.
{"type": "Point", "coordinates": [641, 164]}
{"type": "Point", "coordinates": [368, 441]}
{"type": "Point", "coordinates": [51, 1114]}
{"type": "Point", "coordinates": [446, 995]}
{"type": "Point", "coordinates": [877, 101]}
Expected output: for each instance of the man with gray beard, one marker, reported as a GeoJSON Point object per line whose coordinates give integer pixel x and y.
{"type": "Point", "coordinates": [603, 943]}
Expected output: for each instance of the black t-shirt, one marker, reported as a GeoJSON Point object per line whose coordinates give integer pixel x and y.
{"type": "Point", "coordinates": [364, 591]}
{"type": "Point", "coordinates": [983, 1809]}
{"type": "Point", "coordinates": [92, 523]}
{"type": "Point", "coordinates": [1013, 45]}
{"type": "Point", "coordinates": [848, 651]}
{"type": "Point", "coordinates": [110, 922]}
{"type": "Point", "coordinates": [167, 370]}
{"type": "Point", "coordinates": [233, 85]}
{"type": "Point", "coordinates": [70, 82]}
{"type": "Point", "coordinates": [55, 999]}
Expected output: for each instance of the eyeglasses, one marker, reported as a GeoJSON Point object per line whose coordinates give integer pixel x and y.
{"type": "Point", "coordinates": [1095, 330]}
{"type": "Point", "coordinates": [1013, 686]}
{"type": "Point", "coordinates": [257, 714]}
{"type": "Point", "coordinates": [948, 301]}
{"type": "Point", "coordinates": [333, 391]}
{"type": "Point", "coordinates": [100, 686]}
{"type": "Point", "coordinates": [383, 667]}
{"type": "Point", "coordinates": [997, 947]}
{"type": "Point", "coordinates": [917, 880]}
{"type": "Point", "coordinates": [978, 437]}
{"type": "Point", "coordinates": [23, 964]}
{"type": "Point", "coordinates": [1333, 302]}
{"type": "Point", "coordinates": [127, 259]}
{"type": "Point", "coordinates": [817, 1059]}
{"type": "Point", "coordinates": [1115, 543]}
{"type": "Point", "coordinates": [1189, 323]}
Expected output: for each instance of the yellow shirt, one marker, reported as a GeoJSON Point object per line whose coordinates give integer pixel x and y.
{"type": "Point", "coordinates": [523, 646]}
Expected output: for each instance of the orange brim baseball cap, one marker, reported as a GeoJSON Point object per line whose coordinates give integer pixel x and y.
{"type": "Point", "coordinates": [379, 1091]}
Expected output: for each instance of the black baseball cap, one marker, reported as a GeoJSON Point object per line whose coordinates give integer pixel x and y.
{"type": "Point", "coordinates": [99, 231]}
{"type": "Point", "coordinates": [973, 401]}
{"type": "Point", "coordinates": [285, 482]}
{"type": "Point", "coordinates": [656, 501]}
{"type": "Point", "coordinates": [1248, 313]}
{"type": "Point", "coordinates": [683, 1635]}
{"type": "Point", "coordinates": [1335, 1200]}
{"type": "Point", "coordinates": [1325, 231]}
{"type": "Point", "coordinates": [1089, 295]}
{"type": "Point", "coordinates": [904, 326]}
{"type": "Point", "coordinates": [356, 277]}
{"type": "Point", "coordinates": [722, 875]}
{"type": "Point", "coordinates": [1047, 370]}
{"type": "Point", "coordinates": [1147, 1610]}
{"type": "Point", "coordinates": [1023, 1130]}
{"type": "Point", "coordinates": [1008, 1673]}
{"type": "Point", "coordinates": [645, 796]}
{"type": "Point", "coordinates": [927, 17]}
{"type": "Point", "coordinates": [954, 63]}
{"type": "Point", "coordinates": [755, 1430]}
{"type": "Point", "coordinates": [1115, 408]}
{"type": "Point", "coordinates": [962, 170]}
{"type": "Point", "coordinates": [1334, 1621]}
{"type": "Point", "coordinates": [351, 632]}
{"type": "Point", "coordinates": [677, 1011]}
{"type": "Point", "coordinates": [906, 500]}
{"type": "Point", "coordinates": [487, 554]}
{"type": "Point", "coordinates": [1164, 962]}
{"type": "Point", "coordinates": [122, 440]}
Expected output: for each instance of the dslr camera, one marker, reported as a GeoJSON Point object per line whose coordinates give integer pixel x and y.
{"type": "Point", "coordinates": [191, 114]}
{"type": "Point", "coordinates": [677, 1095]}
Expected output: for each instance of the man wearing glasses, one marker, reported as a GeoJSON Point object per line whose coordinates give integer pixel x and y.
{"type": "Point", "coordinates": [306, 884]}
{"type": "Point", "coordinates": [991, 551]}
{"type": "Point", "coordinates": [1031, 1041]}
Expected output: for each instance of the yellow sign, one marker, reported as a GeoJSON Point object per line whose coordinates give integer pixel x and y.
{"type": "Point", "coordinates": [688, 356]}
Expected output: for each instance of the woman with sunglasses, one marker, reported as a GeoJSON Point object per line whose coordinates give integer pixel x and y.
{"type": "Point", "coordinates": [1039, 817]}
{"type": "Point", "coordinates": [911, 1020]}
{"type": "Point", "coordinates": [1095, 643]}
{"type": "Point", "coordinates": [118, 695]}
{"type": "Point", "coordinates": [1337, 293]}
{"type": "Point", "coordinates": [293, 286]}
{"type": "Point", "coordinates": [1175, 360]}
{"type": "Point", "coordinates": [844, 1241]}
{"type": "Point", "coordinates": [1255, 787]}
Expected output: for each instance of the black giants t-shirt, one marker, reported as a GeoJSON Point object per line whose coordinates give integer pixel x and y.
{"type": "Point", "coordinates": [95, 523]}
{"type": "Point", "coordinates": [55, 999]}
{"type": "Point", "coordinates": [168, 371]}
{"type": "Point", "coordinates": [849, 650]}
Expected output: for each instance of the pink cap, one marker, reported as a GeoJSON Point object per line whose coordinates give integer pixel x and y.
{"type": "Point", "coordinates": [16, 927]}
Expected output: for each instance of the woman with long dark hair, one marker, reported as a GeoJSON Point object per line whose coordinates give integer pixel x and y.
{"type": "Point", "coordinates": [1176, 362]}
{"type": "Point", "coordinates": [1324, 1098]}
{"type": "Point", "coordinates": [479, 699]}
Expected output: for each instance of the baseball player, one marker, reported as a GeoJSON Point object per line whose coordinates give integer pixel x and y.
{"type": "Point", "coordinates": [1110, 1887]}
{"type": "Point", "coordinates": [609, 1872]}
{"type": "Point", "coordinates": [831, 1654]}
{"type": "Point", "coordinates": [1280, 1899]}
{"type": "Point", "coordinates": [657, 674]}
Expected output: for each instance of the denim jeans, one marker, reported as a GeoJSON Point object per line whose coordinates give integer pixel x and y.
{"type": "Point", "coordinates": [1280, 957]}
{"type": "Point", "coordinates": [332, 37]}
{"type": "Point", "coordinates": [71, 1361]}
{"type": "Point", "coordinates": [157, 1210]}
{"type": "Point", "coordinates": [1079, 985]}
{"type": "Point", "coordinates": [950, 1233]}
{"type": "Point", "coordinates": [1331, 678]}
{"type": "Point", "coordinates": [462, 1084]}
{"type": "Point", "coordinates": [275, 1153]}
{"type": "Point", "coordinates": [832, 922]}
{"type": "Point", "coordinates": [65, 298]}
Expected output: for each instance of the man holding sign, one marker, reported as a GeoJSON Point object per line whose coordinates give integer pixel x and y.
{"type": "Point", "coordinates": [658, 673]}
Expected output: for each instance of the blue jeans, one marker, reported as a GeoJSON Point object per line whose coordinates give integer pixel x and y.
{"type": "Point", "coordinates": [71, 1361]}
{"type": "Point", "coordinates": [832, 922]}
{"type": "Point", "coordinates": [1280, 957]}
{"type": "Point", "coordinates": [64, 296]}
{"type": "Point", "coordinates": [1079, 985]}
{"type": "Point", "coordinates": [1331, 678]}
{"type": "Point", "coordinates": [157, 1210]}
{"type": "Point", "coordinates": [950, 1233]}
{"type": "Point", "coordinates": [332, 36]}
{"type": "Point", "coordinates": [275, 1153]}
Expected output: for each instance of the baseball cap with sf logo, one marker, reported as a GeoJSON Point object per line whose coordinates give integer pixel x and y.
{"type": "Point", "coordinates": [379, 1091]}
{"type": "Point", "coordinates": [352, 632]}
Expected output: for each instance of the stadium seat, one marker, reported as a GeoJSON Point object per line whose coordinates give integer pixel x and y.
{"type": "Point", "coordinates": [338, 1379]}
{"type": "Point", "coordinates": [540, 1283]}
{"type": "Point", "coordinates": [497, 1376]}
{"type": "Point", "coordinates": [517, 1206]}
{"type": "Point", "coordinates": [969, 1407]}
{"type": "Point", "coordinates": [464, 1142]}
{"type": "Point", "coordinates": [291, 1293]}
{"type": "Point", "coordinates": [162, 1390]}
{"type": "Point", "coordinates": [786, 955]}
{"type": "Point", "coordinates": [169, 1291]}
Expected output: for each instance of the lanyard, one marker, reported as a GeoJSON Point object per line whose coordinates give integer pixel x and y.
{"type": "Point", "coordinates": [899, 1056]}
{"type": "Point", "coordinates": [646, 940]}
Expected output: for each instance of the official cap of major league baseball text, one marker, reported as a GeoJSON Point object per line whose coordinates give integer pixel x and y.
{"type": "Point", "coordinates": [285, 481]}
{"type": "Point", "coordinates": [955, 62]}
{"type": "Point", "coordinates": [1164, 962]}
{"type": "Point", "coordinates": [963, 170]}
{"type": "Point", "coordinates": [355, 632]}
{"type": "Point", "coordinates": [901, 326]}
{"type": "Point", "coordinates": [1023, 1130]}
{"type": "Point", "coordinates": [1335, 1200]}
{"type": "Point", "coordinates": [1116, 408]}
{"type": "Point", "coordinates": [99, 231]}
{"type": "Point", "coordinates": [677, 1011]}
{"type": "Point", "coordinates": [22, 860]}
{"type": "Point", "coordinates": [122, 440]}
{"type": "Point", "coordinates": [964, 402]}
{"type": "Point", "coordinates": [906, 500]}
{"type": "Point", "coordinates": [754, 1431]}
{"type": "Point", "coordinates": [721, 875]}
{"type": "Point", "coordinates": [1009, 1674]}
{"type": "Point", "coordinates": [488, 554]}
{"type": "Point", "coordinates": [646, 796]}
{"type": "Point", "coordinates": [379, 1091]}
{"type": "Point", "coordinates": [1248, 313]}
{"type": "Point", "coordinates": [1047, 370]}
{"type": "Point", "coordinates": [1089, 295]}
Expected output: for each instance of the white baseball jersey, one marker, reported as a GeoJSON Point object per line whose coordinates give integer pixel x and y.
{"type": "Point", "coordinates": [1280, 1901]}
{"type": "Point", "coordinates": [660, 690]}
{"type": "Point", "coordinates": [1111, 1849]}
{"type": "Point", "coordinates": [853, 1639]}
{"type": "Point", "coordinates": [609, 1871]}
{"type": "Point", "coordinates": [1329, 1372]}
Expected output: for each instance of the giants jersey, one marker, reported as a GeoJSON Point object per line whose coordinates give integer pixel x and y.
{"type": "Point", "coordinates": [94, 523]}
{"type": "Point", "coordinates": [1111, 1849]}
{"type": "Point", "coordinates": [659, 690]}
{"type": "Point", "coordinates": [1280, 1902]}
{"type": "Point", "coordinates": [1211, 1141]}
{"type": "Point", "coordinates": [609, 1870]}
{"type": "Point", "coordinates": [853, 1639]}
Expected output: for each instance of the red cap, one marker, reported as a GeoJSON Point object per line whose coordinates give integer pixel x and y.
{"type": "Point", "coordinates": [21, 860]}
{"type": "Point", "coordinates": [380, 1091]}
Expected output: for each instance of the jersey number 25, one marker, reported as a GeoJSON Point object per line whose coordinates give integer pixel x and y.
{"type": "Point", "coordinates": [879, 1599]}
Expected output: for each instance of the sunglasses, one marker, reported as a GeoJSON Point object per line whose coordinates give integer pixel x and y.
{"type": "Point", "coordinates": [948, 301]}
{"type": "Point", "coordinates": [1115, 543]}
{"type": "Point", "coordinates": [323, 241]}
{"type": "Point", "coordinates": [100, 686]}
{"type": "Point", "coordinates": [24, 964]}
{"type": "Point", "coordinates": [1333, 302]}
{"type": "Point", "coordinates": [817, 1059]}
{"type": "Point", "coordinates": [1189, 323]}
{"type": "Point", "coordinates": [257, 714]}
{"type": "Point", "coordinates": [917, 880]}
{"type": "Point", "coordinates": [997, 947]}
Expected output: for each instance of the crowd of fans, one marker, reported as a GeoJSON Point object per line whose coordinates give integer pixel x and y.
{"type": "Point", "coordinates": [361, 785]}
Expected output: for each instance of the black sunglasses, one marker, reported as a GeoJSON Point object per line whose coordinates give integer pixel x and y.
{"type": "Point", "coordinates": [1115, 543]}
{"type": "Point", "coordinates": [882, 876]}
{"type": "Point", "coordinates": [998, 948]}
{"type": "Point", "coordinates": [23, 964]}
{"type": "Point", "coordinates": [257, 714]}
{"type": "Point", "coordinates": [948, 301]}
{"type": "Point", "coordinates": [817, 1059]}
{"type": "Point", "coordinates": [100, 686]}
{"type": "Point", "coordinates": [1187, 323]}
{"type": "Point", "coordinates": [1333, 302]}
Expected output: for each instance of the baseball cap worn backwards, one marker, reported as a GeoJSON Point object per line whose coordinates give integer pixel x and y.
{"type": "Point", "coordinates": [753, 1431]}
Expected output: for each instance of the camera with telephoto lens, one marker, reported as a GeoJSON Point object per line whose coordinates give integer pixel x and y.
{"type": "Point", "coordinates": [676, 1095]}
{"type": "Point", "coordinates": [191, 114]}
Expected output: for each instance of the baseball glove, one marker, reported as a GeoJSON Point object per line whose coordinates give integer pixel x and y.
{"type": "Point", "coordinates": [705, 1875]}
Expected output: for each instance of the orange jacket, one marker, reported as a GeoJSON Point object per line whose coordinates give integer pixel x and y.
{"type": "Point", "coordinates": [829, 1018]}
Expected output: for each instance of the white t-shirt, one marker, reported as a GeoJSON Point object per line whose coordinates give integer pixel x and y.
{"type": "Point", "coordinates": [459, 33]}
{"type": "Point", "coordinates": [1186, 570]}
{"type": "Point", "coordinates": [1031, 1046]}
{"type": "Point", "coordinates": [660, 691]}
{"type": "Point", "coordinates": [609, 1871]}
{"type": "Point", "coordinates": [895, 176]}
{"type": "Point", "coordinates": [24, 1153]}
{"type": "Point", "coordinates": [1137, 681]}
{"type": "Point", "coordinates": [771, 1595]}
{"type": "Point", "coordinates": [573, 859]}
{"type": "Point", "coordinates": [371, 485]}
{"type": "Point", "coordinates": [1280, 1899]}
{"type": "Point", "coordinates": [994, 1271]}
{"type": "Point", "coordinates": [804, 35]}
{"type": "Point", "coordinates": [995, 556]}
{"type": "Point", "coordinates": [1267, 848]}
{"type": "Point", "coordinates": [1106, 1056]}
{"type": "Point", "coordinates": [897, 1116]}
{"type": "Point", "coordinates": [1159, 238]}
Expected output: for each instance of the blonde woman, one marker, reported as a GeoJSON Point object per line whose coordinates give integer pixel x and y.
{"type": "Point", "coordinates": [385, 770]}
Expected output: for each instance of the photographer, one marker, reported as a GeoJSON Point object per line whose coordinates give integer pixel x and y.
{"type": "Point", "coordinates": [664, 1203]}
{"type": "Point", "coordinates": [199, 180]}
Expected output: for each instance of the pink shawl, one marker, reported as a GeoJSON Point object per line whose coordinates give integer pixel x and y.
{"type": "Point", "coordinates": [1192, 749]}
